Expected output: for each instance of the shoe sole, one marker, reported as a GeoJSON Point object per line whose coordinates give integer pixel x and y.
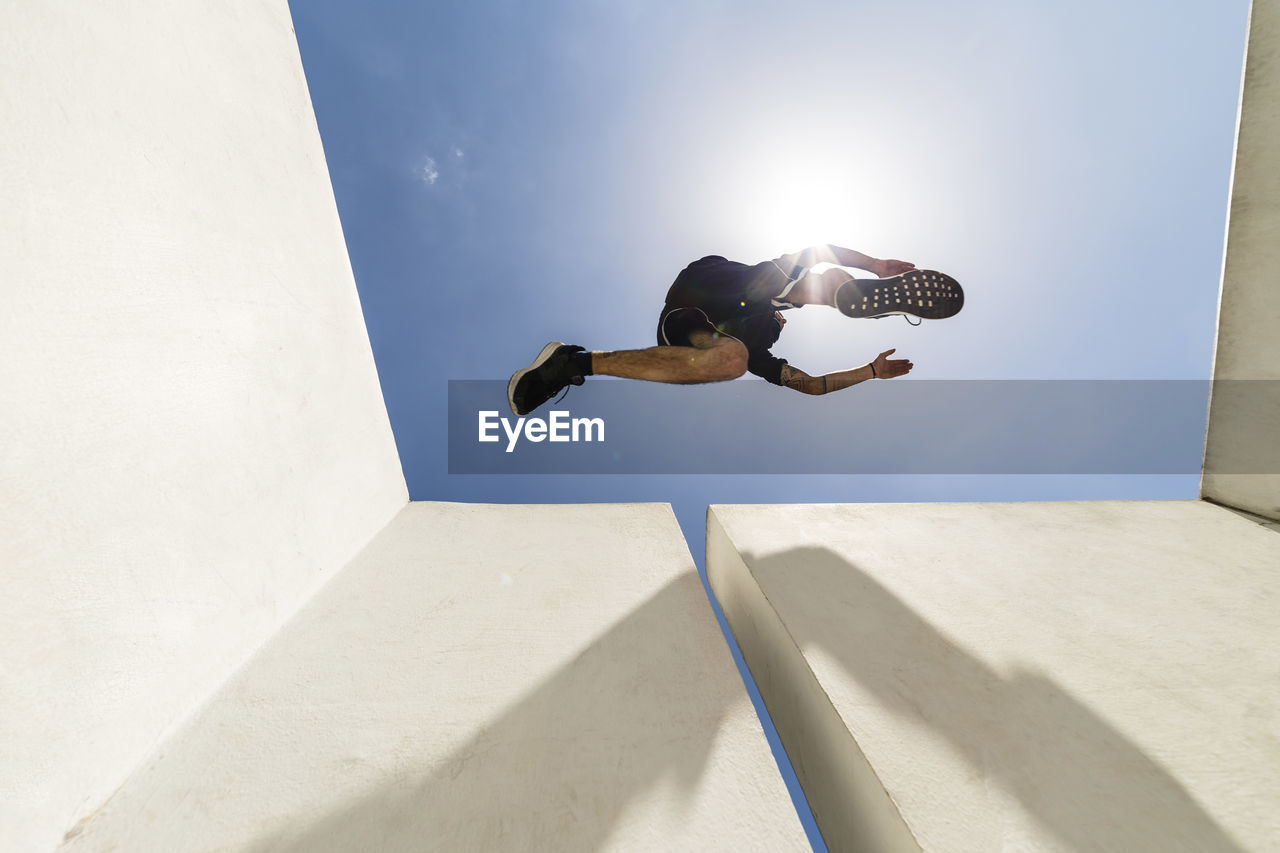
{"type": "Point", "coordinates": [519, 374]}
{"type": "Point", "coordinates": [927, 294]}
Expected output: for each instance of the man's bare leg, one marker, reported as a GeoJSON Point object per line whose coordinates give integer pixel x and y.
{"type": "Point", "coordinates": [712, 358]}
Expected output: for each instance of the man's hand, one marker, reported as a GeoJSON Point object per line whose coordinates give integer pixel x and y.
{"type": "Point", "coordinates": [890, 267]}
{"type": "Point", "coordinates": [887, 368]}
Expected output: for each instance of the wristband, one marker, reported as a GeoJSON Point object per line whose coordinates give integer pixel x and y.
{"type": "Point", "coordinates": [873, 371]}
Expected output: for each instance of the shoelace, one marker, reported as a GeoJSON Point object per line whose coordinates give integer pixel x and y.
{"type": "Point", "coordinates": [577, 380]}
{"type": "Point", "coordinates": [906, 317]}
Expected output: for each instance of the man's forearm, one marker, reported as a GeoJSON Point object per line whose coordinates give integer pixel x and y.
{"type": "Point", "coordinates": [800, 381]}
{"type": "Point", "coordinates": [850, 258]}
{"type": "Point", "coordinates": [838, 255]}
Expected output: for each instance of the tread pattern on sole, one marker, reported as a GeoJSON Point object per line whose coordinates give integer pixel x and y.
{"type": "Point", "coordinates": [928, 294]}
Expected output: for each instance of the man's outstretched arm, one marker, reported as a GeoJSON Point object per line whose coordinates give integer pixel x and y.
{"type": "Point", "coordinates": [882, 368]}
{"type": "Point", "coordinates": [841, 256]}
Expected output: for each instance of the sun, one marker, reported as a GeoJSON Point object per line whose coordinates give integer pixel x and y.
{"type": "Point", "coordinates": [792, 198]}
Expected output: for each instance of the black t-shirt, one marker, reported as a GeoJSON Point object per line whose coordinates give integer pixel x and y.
{"type": "Point", "coordinates": [739, 300]}
{"type": "Point", "coordinates": [758, 333]}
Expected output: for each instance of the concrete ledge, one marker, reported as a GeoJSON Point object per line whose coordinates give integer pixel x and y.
{"type": "Point", "coordinates": [479, 678]}
{"type": "Point", "coordinates": [850, 805]}
{"type": "Point", "coordinates": [1057, 676]}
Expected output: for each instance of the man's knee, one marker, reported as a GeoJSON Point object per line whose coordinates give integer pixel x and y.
{"type": "Point", "coordinates": [725, 359]}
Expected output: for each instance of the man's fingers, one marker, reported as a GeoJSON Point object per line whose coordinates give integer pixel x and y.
{"type": "Point", "coordinates": [888, 368]}
{"type": "Point", "coordinates": [898, 367]}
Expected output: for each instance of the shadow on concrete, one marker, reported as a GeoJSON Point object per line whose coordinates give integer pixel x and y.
{"type": "Point", "coordinates": [558, 769]}
{"type": "Point", "coordinates": [1079, 777]}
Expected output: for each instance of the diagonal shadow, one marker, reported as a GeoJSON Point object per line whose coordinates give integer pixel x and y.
{"type": "Point", "coordinates": [558, 769]}
{"type": "Point", "coordinates": [1078, 776]}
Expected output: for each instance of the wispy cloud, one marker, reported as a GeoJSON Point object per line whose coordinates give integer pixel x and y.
{"type": "Point", "coordinates": [429, 168]}
{"type": "Point", "coordinates": [428, 172]}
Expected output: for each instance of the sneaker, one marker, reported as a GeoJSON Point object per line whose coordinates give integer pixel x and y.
{"type": "Point", "coordinates": [551, 371]}
{"type": "Point", "coordinates": [928, 294]}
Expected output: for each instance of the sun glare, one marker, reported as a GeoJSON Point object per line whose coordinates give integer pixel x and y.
{"type": "Point", "coordinates": [807, 197]}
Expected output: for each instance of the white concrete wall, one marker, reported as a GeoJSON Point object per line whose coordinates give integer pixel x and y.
{"type": "Point", "coordinates": [1242, 449]}
{"type": "Point", "coordinates": [1037, 676]}
{"type": "Point", "coordinates": [193, 437]}
{"type": "Point", "coordinates": [480, 678]}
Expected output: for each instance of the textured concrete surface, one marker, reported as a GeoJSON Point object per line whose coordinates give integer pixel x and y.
{"type": "Point", "coordinates": [480, 678]}
{"type": "Point", "coordinates": [1244, 417]}
{"type": "Point", "coordinates": [1092, 676]}
{"type": "Point", "coordinates": [193, 437]}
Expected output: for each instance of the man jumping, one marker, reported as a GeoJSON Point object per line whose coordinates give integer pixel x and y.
{"type": "Point", "coordinates": [721, 318]}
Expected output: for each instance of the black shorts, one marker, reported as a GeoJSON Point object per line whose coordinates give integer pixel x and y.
{"type": "Point", "coordinates": [725, 297]}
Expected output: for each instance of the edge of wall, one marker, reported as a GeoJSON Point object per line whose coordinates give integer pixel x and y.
{"type": "Point", "coordinates": [1243, 411]}
{"type": "Point", "coordinates": [849, 804]}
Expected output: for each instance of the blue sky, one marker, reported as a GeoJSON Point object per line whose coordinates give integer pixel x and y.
{"type": "Point", "coordinates": [509, 174]}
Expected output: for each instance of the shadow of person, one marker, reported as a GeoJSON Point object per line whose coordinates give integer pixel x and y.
{"type": "Point", "coordinates": [560, 767]}
{"type": "Point", "coordinates": [1074, 773]}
